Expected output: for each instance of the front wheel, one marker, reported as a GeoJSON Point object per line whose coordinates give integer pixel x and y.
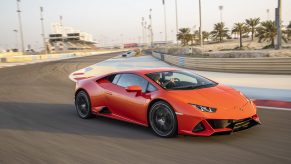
{"type": "Point", "coordinates": [163, 119]}
{"type": "Point", "coordinates": [83, 105]}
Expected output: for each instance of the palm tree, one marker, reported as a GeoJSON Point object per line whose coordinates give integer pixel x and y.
{"type": "Point", "coordinates": [289, 30]}
{"type": "Point", "coordinates": [196, 37]}
{"type": "Point", "coordinates": [242, 29]}
{"type": "Point", "coordinates": [267, 32]}
{"type": "Point", "coordinates": [184, 36]}
{"type": "Point", "coordinates": [205, 35]}
{"type": "Point", "coordinates": [253, 23]}
{"type": "Point", "coordinates": [193, 38]}
{"type": "Point", "coordinates": [219, 32]}
{"type": "Point", "coordinates": [286, 35]}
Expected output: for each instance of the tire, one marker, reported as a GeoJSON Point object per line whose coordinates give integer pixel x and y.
{"type": "Point", "coordinates": [83, 105]}
{"type": "Point", "coordinates": [163, 120]}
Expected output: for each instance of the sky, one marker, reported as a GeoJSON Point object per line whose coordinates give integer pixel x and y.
{"type": "Point", "coordinates": [120, 20]}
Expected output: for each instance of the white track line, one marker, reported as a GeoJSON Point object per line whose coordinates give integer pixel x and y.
{"type": "Point", "coordinates": [273, 108]}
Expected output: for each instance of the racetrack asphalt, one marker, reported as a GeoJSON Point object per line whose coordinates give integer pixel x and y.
{"type": "Point", "coordinates": [39, 124]}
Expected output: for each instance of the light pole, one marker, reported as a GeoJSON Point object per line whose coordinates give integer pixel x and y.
{"type": "Point", "coordinates": [177, 22]}
{"type": "Point", "coordinates": [149, 35]}
{"type": "Point", "coordinates": [145, 32]}
{"type": "Point", "coordinates": [268, 14]}
{"type": "Point", "coordinates": [142, 27]}
{"type": "Point", "coordinates": [16, 38]}
{"type": "Point", "coordinates": [62, 31]}
{"type": "Point", "coordinates": [42, 30]}
{"type": "Point", "coordinates": [151, 28]}
{"type": "Point", "coordinates": [165, 21]}
{"type": "Point", "coordinates": [221, 8]}
{"type": "Point", "coordinates": [20, 25]}
{"type": "Point", "coordinates": [278, 22]}
{"type": "Point", "coordinates": [61, 23]}
{"type": "Point", "coordinates": [200, 25]}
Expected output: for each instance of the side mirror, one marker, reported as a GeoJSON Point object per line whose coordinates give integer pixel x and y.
{"type": "Point", "coordinates": [134, 88]}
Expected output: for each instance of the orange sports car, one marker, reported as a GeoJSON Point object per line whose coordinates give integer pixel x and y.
{"type": "Point", "coordinates": [169, 101]}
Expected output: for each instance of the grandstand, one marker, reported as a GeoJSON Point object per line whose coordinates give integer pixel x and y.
{"type": "Point", "coordinates": [68, 39]}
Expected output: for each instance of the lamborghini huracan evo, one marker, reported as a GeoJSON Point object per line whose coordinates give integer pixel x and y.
{"type": "Point", "coordinates": [169, 101]}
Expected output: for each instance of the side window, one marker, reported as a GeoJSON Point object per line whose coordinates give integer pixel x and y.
{"type": "Point", "coordinates": [130, 79]}
{"type": "Point", "coordinates": [113, 78]}
{"type": "Point", "coordinates": [116, 78]}
{"type": "Point", "coordinates": [151, 88]}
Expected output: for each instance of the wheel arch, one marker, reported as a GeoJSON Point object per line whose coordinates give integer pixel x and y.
{"type": "Point", "coordinates": [151, 104]}
{"type": "Point", "coordinates": [82, 89]}
{"type": "Point", "coordinates": [79, 90]}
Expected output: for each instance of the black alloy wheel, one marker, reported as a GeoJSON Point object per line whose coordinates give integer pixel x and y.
{"type": "Point", "coordinates": [83, 105]}
{"type": "Point", "coordinates": [163, 119]}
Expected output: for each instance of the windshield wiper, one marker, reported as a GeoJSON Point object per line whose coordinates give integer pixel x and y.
{"type": "Point", "coordinates": [186, 87]}
{"type": "Point", "coordinates": [206, 85]}
{"type": "Point", "coordinates": [195, 86]}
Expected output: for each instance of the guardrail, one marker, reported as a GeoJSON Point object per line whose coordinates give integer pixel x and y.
{"type": "Point", "coordinates": [29, 58]}
{"type": "Point", "coordinates": [233, 65]}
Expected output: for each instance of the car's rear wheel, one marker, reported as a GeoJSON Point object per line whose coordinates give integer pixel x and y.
{"type": "Point", "coordinates": [83, 105]}
{"type": "Point", "coordinates": [163, 119]}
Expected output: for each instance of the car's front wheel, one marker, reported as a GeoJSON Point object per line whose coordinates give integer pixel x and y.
{"type": "Point", "coordinates": [163, 119]}
{"type": "Point", "coordinates": [83, 106]}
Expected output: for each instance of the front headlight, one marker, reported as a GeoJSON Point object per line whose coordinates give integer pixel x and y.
{"type": "Point", "coordinates": [204, 108]}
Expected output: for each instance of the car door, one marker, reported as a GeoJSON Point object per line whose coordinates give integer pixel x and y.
{"type": "Point", "coordinates": [129, 105]}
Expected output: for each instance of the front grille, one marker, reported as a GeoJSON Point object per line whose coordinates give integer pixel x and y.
{"type": "Point", "coordinates": [242, 120]}
{"type": "Point", "coordinates": [243, 124]}
{"type": "Point", "coordinates": [236, 125]}
{"type": "Point", "coordinates": [217, 124]}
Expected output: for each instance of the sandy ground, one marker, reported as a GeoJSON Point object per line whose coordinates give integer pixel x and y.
{"type": "Point", "coordinates": [250, 49]}
{"type": "Point", "coordinates": [229, 49]}
{"type": "Point", "coordinates": [248, 44]}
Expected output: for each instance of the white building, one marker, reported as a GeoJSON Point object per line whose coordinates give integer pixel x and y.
{"type": "Point", "coordinates": [57, 28]}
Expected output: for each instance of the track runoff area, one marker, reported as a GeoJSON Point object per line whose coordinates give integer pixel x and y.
{"type": "Point", "coordinates": [39, 124]}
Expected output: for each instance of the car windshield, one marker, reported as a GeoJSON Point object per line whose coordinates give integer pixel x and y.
{"type": "Point", "coordinates": [180, 80]}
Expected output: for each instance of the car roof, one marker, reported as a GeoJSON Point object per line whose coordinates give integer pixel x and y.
{"type": "Point", "coordinates": [148, 70]}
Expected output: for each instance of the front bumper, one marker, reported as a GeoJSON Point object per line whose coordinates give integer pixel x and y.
{"type": "Point", "coordinates": [208, 127]}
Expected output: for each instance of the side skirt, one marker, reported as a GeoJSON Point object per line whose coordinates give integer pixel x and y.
{"type": "Point", "coordinates": [105, 112]}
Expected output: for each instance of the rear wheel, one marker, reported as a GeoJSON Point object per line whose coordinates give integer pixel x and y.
{"type": "Point", "coordinates": [83, 105]}
{"type": "Point", "coordinates": [163, 119]}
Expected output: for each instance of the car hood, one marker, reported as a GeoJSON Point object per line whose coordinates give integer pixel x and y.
{"type": "Point", "coordinates": [220, 97]}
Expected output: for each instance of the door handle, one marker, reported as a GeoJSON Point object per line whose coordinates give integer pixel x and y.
{"type": "Point", "coordinates": [109, 93]}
